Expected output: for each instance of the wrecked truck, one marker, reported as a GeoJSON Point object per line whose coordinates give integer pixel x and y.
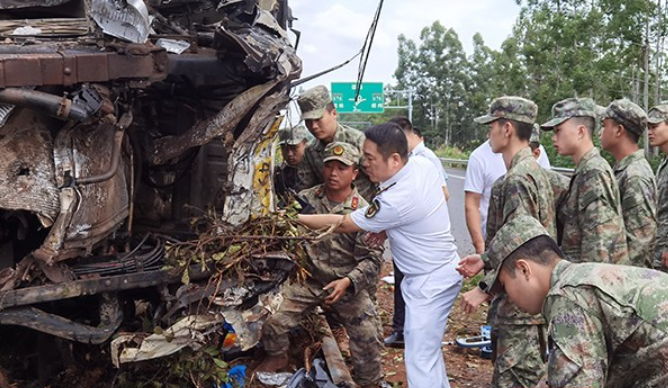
{"type": "Point", "coordinates": [120, 120]}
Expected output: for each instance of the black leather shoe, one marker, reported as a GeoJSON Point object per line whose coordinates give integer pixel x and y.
{"type": "Point", "coordinates": [395, 340]}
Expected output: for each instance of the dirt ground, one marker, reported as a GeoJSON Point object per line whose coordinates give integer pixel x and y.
{"type": "Point", "coordinates": [465, 367]}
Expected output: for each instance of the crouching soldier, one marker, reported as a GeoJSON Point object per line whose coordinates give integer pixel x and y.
{"type": "Point", "coordinates": [608, 324]}
{"type": "Point", "coordinates": [342, 266]}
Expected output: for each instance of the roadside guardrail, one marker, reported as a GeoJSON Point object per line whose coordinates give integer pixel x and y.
{"type": "Point", "coordinates": [464, 163]}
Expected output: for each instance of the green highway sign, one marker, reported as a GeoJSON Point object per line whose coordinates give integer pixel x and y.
{"type": "Point", "coordinates": [370, 100]}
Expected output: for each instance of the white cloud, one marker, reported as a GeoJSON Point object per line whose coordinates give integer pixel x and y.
{"type": "Point", "coordinates": [334, 31]}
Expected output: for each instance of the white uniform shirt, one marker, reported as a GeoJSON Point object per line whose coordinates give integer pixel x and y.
{"type": "Point", "coordinates": [483, 169]}
{"type": "Point", "coordinates": [422, 150]}
{"type": "Point", "coordinates": [543, 159]}
{"type": "Point", "coordinates": [415, 216]}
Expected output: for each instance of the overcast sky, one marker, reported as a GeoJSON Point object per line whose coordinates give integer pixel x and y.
{"type": "Point", "coordinates": [333, 31]}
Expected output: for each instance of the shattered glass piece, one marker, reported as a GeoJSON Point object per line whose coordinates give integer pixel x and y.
{"type": "Point", "coordinates": [173, 45]}
{"type": "Point", "coordinates": [274, 379]}
{"type": "Point", "coordinates": [129, 21]}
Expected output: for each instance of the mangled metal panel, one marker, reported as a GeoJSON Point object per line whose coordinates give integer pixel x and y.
{"type": "Point", "coordinates": [125, 19]}
{"type": "Point", "coordinates": [27, 173]}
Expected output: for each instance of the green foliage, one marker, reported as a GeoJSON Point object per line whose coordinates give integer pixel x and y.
{"type": "Point", "coordinates": [187, 368]}
{"type": "Point", "coordinates": [558, 49]}
{"type": "Point", "coordinates": [451, 153]}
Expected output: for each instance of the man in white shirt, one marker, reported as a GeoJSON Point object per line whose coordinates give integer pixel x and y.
{"type": "Point", "coordinates": [411, 209]}
{"type": "Point", "coordinates": [483, 169]}
{"type": "Point", "coordinates": [416, 147]}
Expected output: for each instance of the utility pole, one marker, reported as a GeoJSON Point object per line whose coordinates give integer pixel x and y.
{"type": "Point", "coordinates": [409, 97]}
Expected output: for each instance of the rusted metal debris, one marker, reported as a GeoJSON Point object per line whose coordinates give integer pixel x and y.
{"type": "Point", "coordinates": [110, 145]}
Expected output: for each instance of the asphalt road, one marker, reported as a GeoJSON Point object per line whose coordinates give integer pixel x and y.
{"type": "Point", "coordinates": [457, 214]}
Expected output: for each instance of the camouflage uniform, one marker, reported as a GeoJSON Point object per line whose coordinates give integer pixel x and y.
{"type": "Point", "coordinates": [638, 192]}
{"type": "Point", "coordinates": [336, 256]}
{"type": "Point", "coordinates": [607, 323]}
{"type": "Point", "coordinates": [589, 220]}
{"type": "Point", "coordinates": [637, 188]}
{"type": "Point", "coordinates": [657, 115]}
{"type": "Point", "coordinates": [287, 179]}
{"type": "Point", "coordinates": [518, 337]}
{"type": "Point", "coordinates": [313, 104]}
{"type": "Point", "coordinates": [608, 326]}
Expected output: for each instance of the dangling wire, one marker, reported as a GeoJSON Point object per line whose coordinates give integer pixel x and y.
{"type": "Point", "coordinates": [366, 50]}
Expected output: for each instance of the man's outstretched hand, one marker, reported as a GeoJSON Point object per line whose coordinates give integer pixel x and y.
{"type": "Point", "coordinates": [470, 266]}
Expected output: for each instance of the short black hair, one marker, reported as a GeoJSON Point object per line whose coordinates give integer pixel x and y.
{"type": "Point", "coordinates": [389, 138]}
{"type": "Point", "coordinates": [542, 250]}
{"type": "Point", "coordinates": [330, 107]}
{"type": "Point", "coordinates": [634, 137]}
{"type": "Point", "coordinates": [534, 145]}
{"type": "Point", "coordinates": [523, 130]}
{"type": "Point", "coordinates": [417, 131]}
{"type": "Point", "coordinates": [588, 122]}
{"type": "Point", "coordinates": [403, 122]}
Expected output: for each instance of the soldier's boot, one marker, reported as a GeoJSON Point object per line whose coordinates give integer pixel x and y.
{"type": "Point", "coordinates": [273, 364]}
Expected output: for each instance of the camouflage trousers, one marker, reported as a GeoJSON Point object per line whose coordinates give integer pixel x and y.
{"type": "Point", "coordinates": [519, 342]}
{"type": "Point", "coordinates": [355, 312]}
{"type": "Point", "coordinates": [519, 361]}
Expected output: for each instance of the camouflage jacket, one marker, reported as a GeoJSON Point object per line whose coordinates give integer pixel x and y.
{"type": "Point", "coordinates": [286, 179]}
{"type": "Point", "coordinates": [525, 189]}
{"type": "Point", "coordinates": [661, 213]}
{"type": "Point", "coordinates": [560, 183]}
{"type": "Point", "coordinates": [312, 165]}
{"type": "Point", "coordinates": [341, 255]}
{"type": "Point", "coordinates": [591, 227]}
{"type": "Point", "coordinates": [637, 190]}
{"type": "Point", "coordinates": [608, 326]}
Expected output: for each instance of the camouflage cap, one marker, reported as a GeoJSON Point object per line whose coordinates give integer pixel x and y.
{"type": "Point", "coordinates": [657, 114]}
{"type": "Point", "coordinates": [628, 114]}
{"type": "Point", "coordinates": [510, 107]}
{"type": "Point", "coordinates": [571, 107]}
{"type": "Point", "coordinates": [535, 134]}
{"type": "Point", "coordinates": [312, 102]}
{"type": "Point", "coordinates": [345, 153]}
{"type": "Point", "coordinates": [512, 235]}
{"type": "Point", "coordinates": [292, 136]}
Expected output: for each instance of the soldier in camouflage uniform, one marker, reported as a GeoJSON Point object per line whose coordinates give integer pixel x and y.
{"type": "Point", "coordinates": [342, 265]}
{"type": "Point", "coordinates": [524, 190]}
{"type": "Point", "coordinates": [589, 220]}
{"type": "Point", "coordinates": [287, 179]}
{"type": "Point", "coordinates": [658, 137]}
{"type": "Point", "coordinates": [623, 124]}
{"type": "Point", "coordinates": [607, 323]}
{"type": "Point", "coordinates": [559, 181]}
{"type": "Point", "coordinates": [320, 117]}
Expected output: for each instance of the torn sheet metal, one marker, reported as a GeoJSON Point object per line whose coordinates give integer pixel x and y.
{"type": "Point", "coordinates": [26, 166]}
{"type": "Point", "coordinates": [188, 332]}
{"type": "Point", "coordinates": [252, 174]}
{"type": "Point", "coordinates": [125, 19]}
{"type": "Point", "coordinates": [247, 323]}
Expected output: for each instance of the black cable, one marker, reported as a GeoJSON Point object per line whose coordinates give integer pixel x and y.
{"type": "Point", "coordinates": [366, 49]}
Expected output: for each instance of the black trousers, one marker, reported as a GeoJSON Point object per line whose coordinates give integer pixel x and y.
{"type": "Point", "coordinates": [399, 304]}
